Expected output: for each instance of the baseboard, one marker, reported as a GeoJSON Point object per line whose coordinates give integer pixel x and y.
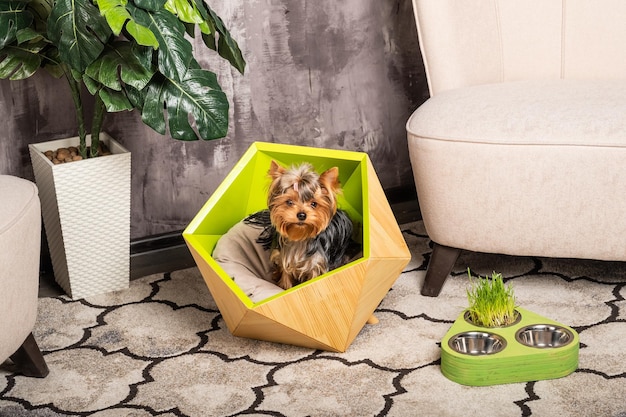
{"type": "Point", "coordinates": [404, 204]}
{"type": "Point", "coordinates": [159, 253]}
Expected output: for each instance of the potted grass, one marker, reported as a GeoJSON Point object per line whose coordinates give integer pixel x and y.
{"type": "Point", "coordinates": [494, 341]}
{"type": "Point", "coordinates": [491, 302]}
{"type": "Point", "coordinates": [127, 55]}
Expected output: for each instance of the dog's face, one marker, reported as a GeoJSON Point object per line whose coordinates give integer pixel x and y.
{"type": "Point", "coordinates": [302, 202]}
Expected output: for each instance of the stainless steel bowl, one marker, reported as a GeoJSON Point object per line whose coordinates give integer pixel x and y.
{"type": "Point", "coordinates": [477, 343]}
{"type": "Point", "coordinates": [468, 318]}
{"type": "Point", "coordinates": [544, 336]}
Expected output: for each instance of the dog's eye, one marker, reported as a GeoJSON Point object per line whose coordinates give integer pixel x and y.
{"type": "Point", "coordinates": [313, 204]}
{"type": "Point", "coordinates": [290, 203]}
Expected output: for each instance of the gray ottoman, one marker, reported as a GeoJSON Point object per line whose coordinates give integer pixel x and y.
{"type": "Point", "coordinates": [20, 241]}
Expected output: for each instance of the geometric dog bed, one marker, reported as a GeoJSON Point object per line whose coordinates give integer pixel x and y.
{"type": "Point", "coordinates": [326, 312]}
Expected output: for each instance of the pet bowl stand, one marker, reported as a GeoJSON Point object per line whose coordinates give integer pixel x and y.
{"type": "Point", "coordinates": [534, 348]}
{"type": "Point", "coordinates": [326, 312]}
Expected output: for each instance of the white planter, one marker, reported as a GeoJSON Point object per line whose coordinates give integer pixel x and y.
{"type": "Point", "coordinates": [86, 213]}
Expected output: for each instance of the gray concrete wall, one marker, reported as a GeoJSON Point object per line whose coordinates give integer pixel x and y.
{"type": "Point", "coordinates": [341, 75]}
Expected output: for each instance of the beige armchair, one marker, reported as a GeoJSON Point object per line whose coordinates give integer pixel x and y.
{"type": "Point", "coordinates": [521, 149]}
{"type": "Point", "coordinates": [20, 242]}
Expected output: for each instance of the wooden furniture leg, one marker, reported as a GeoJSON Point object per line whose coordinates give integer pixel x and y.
{"type": "Point", "coordinates": [29, 360]}
{"type": "Point", "coordinates": [441, 263]}
{"type": "Point", "coordinates": [372, 320]}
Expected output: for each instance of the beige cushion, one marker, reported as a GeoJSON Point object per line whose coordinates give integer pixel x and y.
{"type": "Point", "coordinates": [543, 112]}
{"type": "Point", "coordinates": [593, 39]}
{"type": "Point", "coordinates": [20, 240]}
{"type": "Point", "coordinates": [469, 42]}
{"type": "Point", "coordinates": [246, 261]}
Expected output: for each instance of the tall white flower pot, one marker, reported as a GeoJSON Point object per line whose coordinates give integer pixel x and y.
{"type": "Point", "coordinates": [86, 214]}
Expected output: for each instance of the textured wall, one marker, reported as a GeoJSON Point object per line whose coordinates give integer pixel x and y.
{"type": "Point", "coordinates": [342, 75]}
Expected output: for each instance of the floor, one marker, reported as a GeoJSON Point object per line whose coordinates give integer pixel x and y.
{"type": "Point", "coordinates": [48, 287]}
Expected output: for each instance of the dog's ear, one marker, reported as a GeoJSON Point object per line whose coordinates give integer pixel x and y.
{"type": "Point", "coordinates": [275, 170]}
{"type": "Point", "coordinates": [330, 179]}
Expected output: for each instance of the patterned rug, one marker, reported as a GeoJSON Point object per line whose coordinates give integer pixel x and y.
{"type": "Point", "coordinates": [161, 348]}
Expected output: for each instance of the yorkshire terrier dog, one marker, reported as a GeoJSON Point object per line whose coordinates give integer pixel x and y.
{"type": "Point", "coordinates": [311, 234]}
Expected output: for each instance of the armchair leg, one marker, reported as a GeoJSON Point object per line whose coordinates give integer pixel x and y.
{"type": "Point", "coordinates": [441, 263]}
{"type": "Point", "coordinates": [29, 360]}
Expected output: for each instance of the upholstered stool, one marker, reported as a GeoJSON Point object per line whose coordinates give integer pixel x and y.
{"type": "Point", "coordinates": [20, 242]}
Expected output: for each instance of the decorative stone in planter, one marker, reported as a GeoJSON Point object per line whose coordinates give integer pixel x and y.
{"type": "Point", "coordinates": [533, 348]}
{"type": "Point", "coordinates": [326, 312]}
{"type": "Point", "coordinates": [86, 212]}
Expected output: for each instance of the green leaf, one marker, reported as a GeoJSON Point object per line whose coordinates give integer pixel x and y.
{"type": "Point", "coordinates": [190, 28]}
{"type": "Point", "coordinates": [20, 62]}
{"type": "Point", "coordinates": [114, 101]}
{"type": "Point", "coordinates": [223, 43]}
{"type": "Point", "coordinates": [41, 9]}
{"type": "Point", "coordinates": [92, 85]}
{"type": "Point", "coordinates": [137, 97]}
{"type": "Point", "coordinates": [122, 62]}
{"type": "Point", "coordinates": [24, 22]}
{"type": "Point", "coordinates": [152, 5]}
{"type": "Point", "coordinates": [141, 34]}
{"type": "Point", "coordinates": [13, 17]}
{"type": "Point", "coordinates": [175, 53]}
{"type": "Point", "coordinates": [79, 31]}
{"type": "Point", "coordinates": [115, 13]}
{"type": "Point", "coordinates": [27, 35]}
{"type": "Point", "coordinates": [118, 17]}
{"type": "Point", "coordinates": [185, 11]}
{"type": "Point", "coordinates": [198, 95]}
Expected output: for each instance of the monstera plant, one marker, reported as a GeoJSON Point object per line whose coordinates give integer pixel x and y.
{"type": "Point", "coordinates": [129, 54]}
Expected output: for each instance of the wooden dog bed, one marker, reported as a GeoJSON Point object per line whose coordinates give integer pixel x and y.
{"type": "Point", "coordinates": [329, 311]}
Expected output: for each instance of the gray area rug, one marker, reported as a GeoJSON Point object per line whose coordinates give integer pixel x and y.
{"type": "Point", "coordinates": [161, 348]}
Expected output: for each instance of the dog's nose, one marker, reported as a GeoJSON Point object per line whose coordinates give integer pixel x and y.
{"type": "Point", "coordinates": [302, 216]}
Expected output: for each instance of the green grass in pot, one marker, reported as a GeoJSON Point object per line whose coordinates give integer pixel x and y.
{"type": "Point", "coordinates": [491, 302]}
{"type": "Point", "coordinates": [129, 54]}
